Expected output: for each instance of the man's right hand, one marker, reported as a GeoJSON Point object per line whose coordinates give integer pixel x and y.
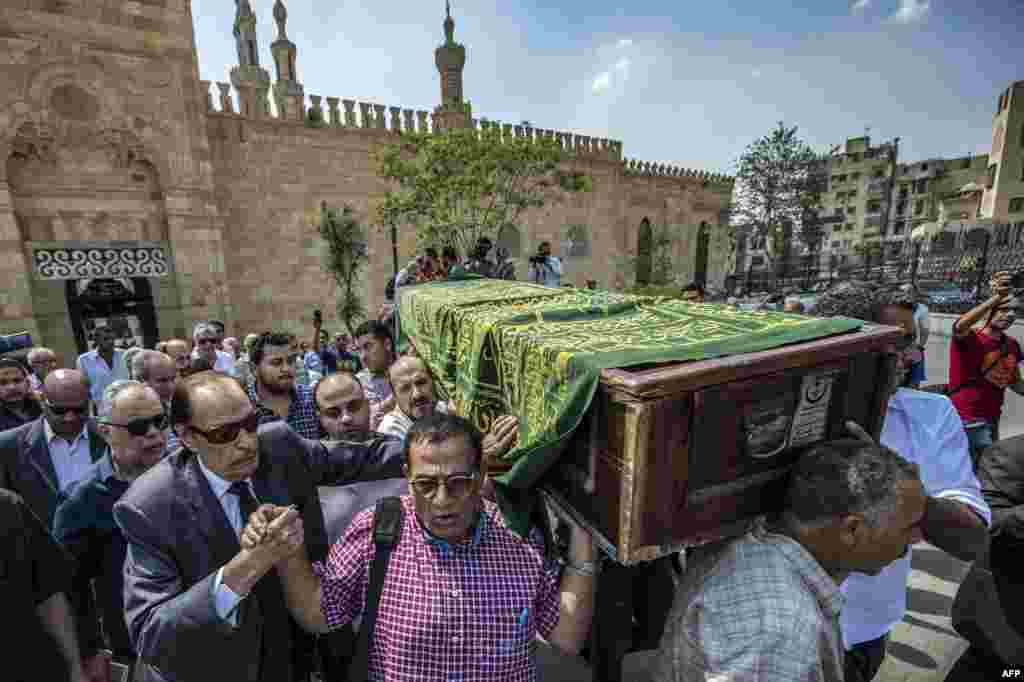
{"type": "Point", "coordinates": [273, 533]}
{"type": "Point", "coordinates": [999, 283]}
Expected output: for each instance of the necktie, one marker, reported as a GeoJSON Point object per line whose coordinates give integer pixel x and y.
{"type": "Point", "coordinates": [247, 503]}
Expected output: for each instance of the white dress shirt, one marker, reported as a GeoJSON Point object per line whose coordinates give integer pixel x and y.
{"type": "Point", "coordinates": [225, 601]}
{"type": "Point", "coordinates": [924, 428]}
{"type": "Point", "coordinates": [72, 460]}
{"type": "Point", "coordinates": [99, 373]}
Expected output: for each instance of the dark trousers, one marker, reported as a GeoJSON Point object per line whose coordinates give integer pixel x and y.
{"type": "Point", "coordinates": [862, 662]}
{"type": "Point", "coordinates": [976, 664]}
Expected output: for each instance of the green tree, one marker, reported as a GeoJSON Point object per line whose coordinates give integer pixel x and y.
{"type": "Point", "coordinates": [344, 260]}
{"type": "Point", "coordinates": [778, 182]}
{"type": "Point", "coordinates": [654, 263]}
{"type": "Point", "coordinates": [464, 184]}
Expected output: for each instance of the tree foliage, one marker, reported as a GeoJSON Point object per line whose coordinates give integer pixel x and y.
{"type": "Point", "coordinates": [654, 263]}
{"type": "Point", "coordinates": [777, 183]}
{"type": "Point", "coordinates": [344, 259]}
{"type": "Point", "coordinates": [465, 184]}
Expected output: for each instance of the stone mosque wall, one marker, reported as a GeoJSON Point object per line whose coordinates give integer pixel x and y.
{"type": "Point", "coordinates": [126, 193]}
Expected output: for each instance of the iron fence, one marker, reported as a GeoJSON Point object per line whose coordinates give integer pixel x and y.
{"type": "Point", "coordinates": [952, 267]}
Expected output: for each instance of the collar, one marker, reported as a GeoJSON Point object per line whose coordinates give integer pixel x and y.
{"type": "Point", "coordinates": [218, 485]}
{"type": "Point", "coordinates": [444, 547]}
{"type": "Point", "coordinates": [817, 580]}
{"type": "Point", "coordinates": [50, 435]}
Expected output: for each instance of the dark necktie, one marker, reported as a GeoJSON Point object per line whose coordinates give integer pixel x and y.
{"type": "Point", "coordinates": [247, 503]}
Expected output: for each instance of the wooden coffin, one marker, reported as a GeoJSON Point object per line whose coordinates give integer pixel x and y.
{"type": "Point", "coordinates": [683, 454]}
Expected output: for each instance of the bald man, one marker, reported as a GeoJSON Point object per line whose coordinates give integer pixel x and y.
{"type": "Point", "coordinates": [342, 406]}
{"type": "Point", "coordinates": [43, 459]}
{"type": "Point", "coordinates": [134, 424]}
{"type": "Point", "coordinates": [179, 351]}
{"type": "Point", "coordinates": [415, 398]}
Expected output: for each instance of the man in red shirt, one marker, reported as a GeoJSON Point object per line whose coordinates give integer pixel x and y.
{"type": "Point", "coordinates": [984, 363]}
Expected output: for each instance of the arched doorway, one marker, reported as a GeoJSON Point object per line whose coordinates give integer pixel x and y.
{"type": "Point", "coordinates": [510, 239]}
{"type": "Point", "coordinates": [700, 269]}
{"type": "Point", "coordinates": [644, 248]}
{"type": "Point", "coordinates": [125, 305]}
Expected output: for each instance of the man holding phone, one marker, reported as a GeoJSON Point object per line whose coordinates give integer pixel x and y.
{"type": "Point", "coordinates": [983, 363]}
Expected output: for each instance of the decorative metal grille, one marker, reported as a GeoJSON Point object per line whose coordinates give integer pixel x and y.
{"type": "Point", "coordinates": [84, 263]}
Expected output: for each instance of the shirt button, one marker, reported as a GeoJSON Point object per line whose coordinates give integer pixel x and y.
{"type": "Point", "coordinates": [456, 594]}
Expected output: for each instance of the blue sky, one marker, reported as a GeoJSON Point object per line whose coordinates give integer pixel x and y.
{"type": "Point", "coordinates": [688, 83]}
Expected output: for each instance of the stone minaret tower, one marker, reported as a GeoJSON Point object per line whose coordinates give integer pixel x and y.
{"type": "Point", "coordinates": [450, 59]}
{"type": "Point", "coordinates": [288, 93]}
{"type": "Point", "coordinates": [251, 82]}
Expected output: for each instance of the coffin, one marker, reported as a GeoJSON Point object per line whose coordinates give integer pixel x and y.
{"type": "Point", "coordinates": [658, 424]}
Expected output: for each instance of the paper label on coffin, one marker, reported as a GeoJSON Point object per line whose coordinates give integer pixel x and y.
{"type": "Point", "coordinates": [773, 426]}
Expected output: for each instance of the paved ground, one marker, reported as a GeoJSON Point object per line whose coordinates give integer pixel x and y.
{"type": "Point", "coordinates": [924, 646]}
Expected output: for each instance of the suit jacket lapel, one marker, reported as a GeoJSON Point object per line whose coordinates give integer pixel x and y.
{"type": "Point", "coordinates": [209, 514]}
{"type": "Point", "coordinates": [38, 453]}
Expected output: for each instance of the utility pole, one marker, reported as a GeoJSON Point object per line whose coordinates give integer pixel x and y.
{"type": "Point", "coordinates": [893, 155]}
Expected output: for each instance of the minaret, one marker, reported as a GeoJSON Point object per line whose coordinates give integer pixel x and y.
{"type": "Point", "coordinates": [251, 82]}
{"type": "Point", "coordinates": [288, 92]}
{"type": "Point", "coordinates": [450, 59]}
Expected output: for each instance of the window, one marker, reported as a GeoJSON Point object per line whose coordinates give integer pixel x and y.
{"type": "Point", "coordinates": [966, 163]}
{"type": "Point", "coordinates": [842, 260]}
{"type": "Point", "coordinates": [870, 153]}
{"type": "Point", "coordinates": [851, 210]}
{"type": "Point", "coordinates": [855, 158]}
{"type": "Point", "coordinates": [842, 178]}
{"type": "Point", "coordinates": [898, 227]}
{"type": "Point", "coordinates": [849, 226]}
{"type": "Point", "coordinates": [757, 260]}
{"type": "Point", "coordinates": [879, 172]}
{"type": "Point", "coordinates": [1003, 235]}
{"type": "Point", "coordinates": [836, 245]}
{"type": "Point", "coordinates": [1016, 204]}
{"type": "Point", "coordinates": [924, 166]}
{"type": "Point", "coordinates": [901, 208]}
{"type": "Point", "coordinates": [874, 206]}
{"type": "Point", "coordinates": [921, 186]}
{"type": "Point", "coordinates": [918, 207]}
{"type": "Point", "coordinates": [855, 176]}
{"type": "Point", "coordinates": [896, 248]}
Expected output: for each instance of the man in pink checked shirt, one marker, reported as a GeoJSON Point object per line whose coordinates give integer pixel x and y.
{"type": "Point", "coordinates": [464, 598]}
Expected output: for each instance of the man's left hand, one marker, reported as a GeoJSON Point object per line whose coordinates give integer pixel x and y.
{"type": "Point", "coordinates": [96, 668]}
{"type": "Point", "coordinates": [500, 437]}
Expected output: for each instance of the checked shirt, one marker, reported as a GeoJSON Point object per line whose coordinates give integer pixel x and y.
{"type": "Point", "coordinates": [468, 612]}
{"type": "Point", "coordinates": [302, 415]}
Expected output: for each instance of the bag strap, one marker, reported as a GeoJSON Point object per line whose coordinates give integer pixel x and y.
{"type": "Point", "coordinates": [1004, 350]}
{"type": "Point", "coordinates": [387, 531]}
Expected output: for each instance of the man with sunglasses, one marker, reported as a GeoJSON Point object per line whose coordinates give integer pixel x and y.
{"type": "Point", "coordinates": [464, 596]}
{"type": "Point", "coordinates": [42, 459]}
{"type": "Point", "coordinates": [984, 362]}
{"type": "Point", "coordinates": [923, 428]}
{"type": "Point", "coordinates": [134, 425]}
{"type": "Point", "coordinates": [207, 337]}
{"type": "Point", "coordinates": [198, 606]}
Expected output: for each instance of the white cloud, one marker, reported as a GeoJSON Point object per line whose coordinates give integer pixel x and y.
{"type": "Point", "coordinates": [756, 73]}
{"type": "Point", "coordinates": [859, 5]}
{"type": "Point", "coordinates": [625, 42]}
{"type": "Point", "coordinates": [910, 11]}
{"type": "Point", "coordinates": [602, 82]}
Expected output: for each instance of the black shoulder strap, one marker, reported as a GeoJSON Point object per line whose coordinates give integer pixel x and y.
{"type": "Point", "coordinates": [387, 530]}
{"type": "Point", "coordinates": [1004, 350]}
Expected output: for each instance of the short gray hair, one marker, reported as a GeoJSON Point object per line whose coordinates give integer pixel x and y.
{"type": "Point", "coordinates": [203, 329]}
{"type": "Point", "coordinates": [111, 392]}
{"type": "Point", "coordinates": [844, 477]}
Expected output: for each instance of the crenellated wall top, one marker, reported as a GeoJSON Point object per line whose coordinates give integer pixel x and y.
{"type": "Point", "coordinates": [646, 168]}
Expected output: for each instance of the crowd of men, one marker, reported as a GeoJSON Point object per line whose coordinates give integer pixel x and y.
{"type": "Point", "coordinates": [165, 510]}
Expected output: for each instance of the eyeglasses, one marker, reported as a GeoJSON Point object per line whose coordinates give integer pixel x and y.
{"type": "Point", "coordinates": [61, 410]}
{"type": "Point", "coordinates": [457, 485]}
{"type": "Point", "coordinates": [140, 426]}
{"type": "Point", "coordinates": [228, 433]}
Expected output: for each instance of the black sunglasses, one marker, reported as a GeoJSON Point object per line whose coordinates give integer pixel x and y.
{"type": "Point", "coordinates": [457, 485]}
{"type": "Point", "coordinates": [228, 433]}
{"type": "Point", "coordinates": [140, 426]}
{"type": "Point", "coordinates": [61, 410]}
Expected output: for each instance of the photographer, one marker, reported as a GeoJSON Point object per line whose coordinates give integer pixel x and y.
{"type": "Point", "coordinates": [478, 263]}
{"type": "Point", "coordinates": [984, 363]}
{"type": "Point", "coordinates": [544, 268]}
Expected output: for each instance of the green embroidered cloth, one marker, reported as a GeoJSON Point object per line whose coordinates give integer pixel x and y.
{"type": "Point", "coordinates": [498, 347]}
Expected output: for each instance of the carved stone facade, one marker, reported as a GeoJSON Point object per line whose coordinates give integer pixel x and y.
{"type": "Point", "coordinates": [117, 167]}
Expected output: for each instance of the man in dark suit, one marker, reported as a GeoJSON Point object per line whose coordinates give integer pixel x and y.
{"type": "Point", "coordinates": [198, 606]}
{"type": "Point", "coordinates": [42, 459]}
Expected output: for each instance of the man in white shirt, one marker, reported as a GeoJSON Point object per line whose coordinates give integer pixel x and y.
{"type": "Point", "coordinates": [923, 428]}
{"type": "Point", "coordinates": [206, 341]}
{"type": "Point", "coordinates": [102, 365]}
{"type": "Point", "coordinates": [544, 268]}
